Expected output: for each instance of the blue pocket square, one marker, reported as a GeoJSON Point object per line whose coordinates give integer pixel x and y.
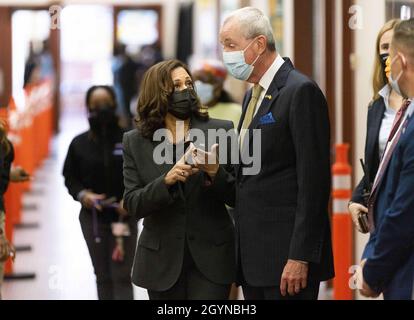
{"type": "Point", "coordinates": [267, 119]}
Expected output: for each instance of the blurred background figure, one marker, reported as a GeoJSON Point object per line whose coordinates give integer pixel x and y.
{"type": "Point", "coordinates": [209, 83]}
{"type": "Point", "coordinates": [47, 70]}
{"type": "Point", "coordinates": [148, 56]}
{"type": "Point", "coordinates": [32, 69]}
{"type": "Point", "coordinates": [93, 176]}
{"type": "Point", "coordinates": [124, 72]}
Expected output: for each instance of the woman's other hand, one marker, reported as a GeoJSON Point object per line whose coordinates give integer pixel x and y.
{"type": "Point", "coordinates": [355, 209]}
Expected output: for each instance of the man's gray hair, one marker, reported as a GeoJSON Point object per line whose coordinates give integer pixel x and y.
{"type": "Point", "coordinates": [253, 23]}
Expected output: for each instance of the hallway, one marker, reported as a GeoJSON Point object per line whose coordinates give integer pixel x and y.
{"type": "Point", "coordinates": [59, 256]}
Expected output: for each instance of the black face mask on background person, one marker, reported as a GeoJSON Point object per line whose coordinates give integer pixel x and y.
{"type": "Point", "coordinates": [383, 58]}
{"type": "Point", "coordinates": [103, 120]}
{"type": "Point", "coordinates": [183, 103]}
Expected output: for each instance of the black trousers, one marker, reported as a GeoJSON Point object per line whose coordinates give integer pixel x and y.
{"type": "Point", "coordinates": [250, 292]}
{"type": "Point", "coordinates": [192, 285]}
{"type": "Point", "coordinates": [113, 279]}
{"type": "Point", "coordinates": [311, 292]}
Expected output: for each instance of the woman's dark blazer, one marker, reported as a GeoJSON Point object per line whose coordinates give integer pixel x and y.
{"type": "Point", "coordinates": [197, 214]}
{"type": "Point", "coordinates": [375, 115]}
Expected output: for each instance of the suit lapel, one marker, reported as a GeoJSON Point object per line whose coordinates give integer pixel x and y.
{"type": "Point", "coordinates": [164, 167]}
{"type": "Point", "coordinates": [244, 108]}
{"type": "Point", "coordinates": [375, 126]}
{"type": "Point", "coordinates": [388, 164]}
{"type": "Point", "coordinates": [279, 81]}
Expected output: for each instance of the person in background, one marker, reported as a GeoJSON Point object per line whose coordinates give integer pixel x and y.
{"type": "Point", "coordinates": [148, 56]}
{"type": "Point", "coordinates": [46, 62]}
{"type": "Point", "coordinates": [209, 83]}
{"type": "Point", "coordinates": [124, 71]}
{"type": "Point", "coordinates": [93, 176]}
{"type": "Point", "coordinates": [186, 249]}
{"type": "Point", "coordinates": [381, 114]}
{"type": "Point", "coordinates": [390, 267]}
{"type": "Point", "coordinates": [32, 69]}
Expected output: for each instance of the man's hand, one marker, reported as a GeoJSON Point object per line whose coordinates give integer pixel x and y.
{"type": "Point", "coordinates": [366, 291]}
{"type": "Point", "coordinates": [120, 209]}
{"type": "Point", "coordinates": [294, 277]}
{"type": "Point", "coordinates": [18, 174]}
{"type": "Point", "coordinates": [207, 161]}
{"type": "Point", "coordinates": [355, 209]}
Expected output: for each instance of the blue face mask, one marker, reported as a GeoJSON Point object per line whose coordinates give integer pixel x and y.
{"type": "Point", "coordinates": [394, 82]}
{"type": "Point", "coordinates": [235, 63]}
{"type": "Point", "coordinates": [205, 91]}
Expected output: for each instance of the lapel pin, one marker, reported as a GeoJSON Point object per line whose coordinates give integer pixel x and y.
{"type": "Point", "coordinates": [268, 97]}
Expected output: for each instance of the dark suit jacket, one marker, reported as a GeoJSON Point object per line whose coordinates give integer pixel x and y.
{"type": "Point", "coordinates": [374, 120]}
{"type": "Point", "coordinates": [282, 212]}
{"type": "Point", "coordinates": [198, 214]}
{"type": "Point", "coordinates": [390, 269]}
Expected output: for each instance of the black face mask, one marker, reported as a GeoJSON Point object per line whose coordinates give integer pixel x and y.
{"type": "Point", "coordinates": [103, 120]}
{"type": "Point", "coordinates": [183, 103]}
{"type": "Point", "coordinates": [383, 58]}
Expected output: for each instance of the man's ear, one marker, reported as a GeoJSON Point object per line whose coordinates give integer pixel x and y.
{"type": "Point", "coordinates": [262, 42]}
{"type": "Point", "coordinates": [403, 60]}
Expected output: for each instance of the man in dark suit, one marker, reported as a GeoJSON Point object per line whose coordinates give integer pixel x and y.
{"type": "Point", "coordinates": [390, 270]}
{"type": "Point", "coordinates": [282, 224]}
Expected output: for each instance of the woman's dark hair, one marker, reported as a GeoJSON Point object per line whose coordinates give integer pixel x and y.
{"type": "Point", "coordinates": [155, 92]}
{"type": "Point", "coordinates": [91, 90]}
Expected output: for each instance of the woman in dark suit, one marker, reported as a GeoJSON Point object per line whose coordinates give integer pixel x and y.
{"type": "Point", "coordinates": [381, 114]}
{"type": "Point", "coordinates": [186, 249]}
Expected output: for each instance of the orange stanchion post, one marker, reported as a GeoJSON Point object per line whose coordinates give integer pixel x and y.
{"type": "Point", "coordinates": [13, 207]}
{"type": "Point", "coordinates": [30, 130]}
{"type": "Point", "coordinates": [11, 201]}
{"type": "Point", "coordinates": [342, 229]}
